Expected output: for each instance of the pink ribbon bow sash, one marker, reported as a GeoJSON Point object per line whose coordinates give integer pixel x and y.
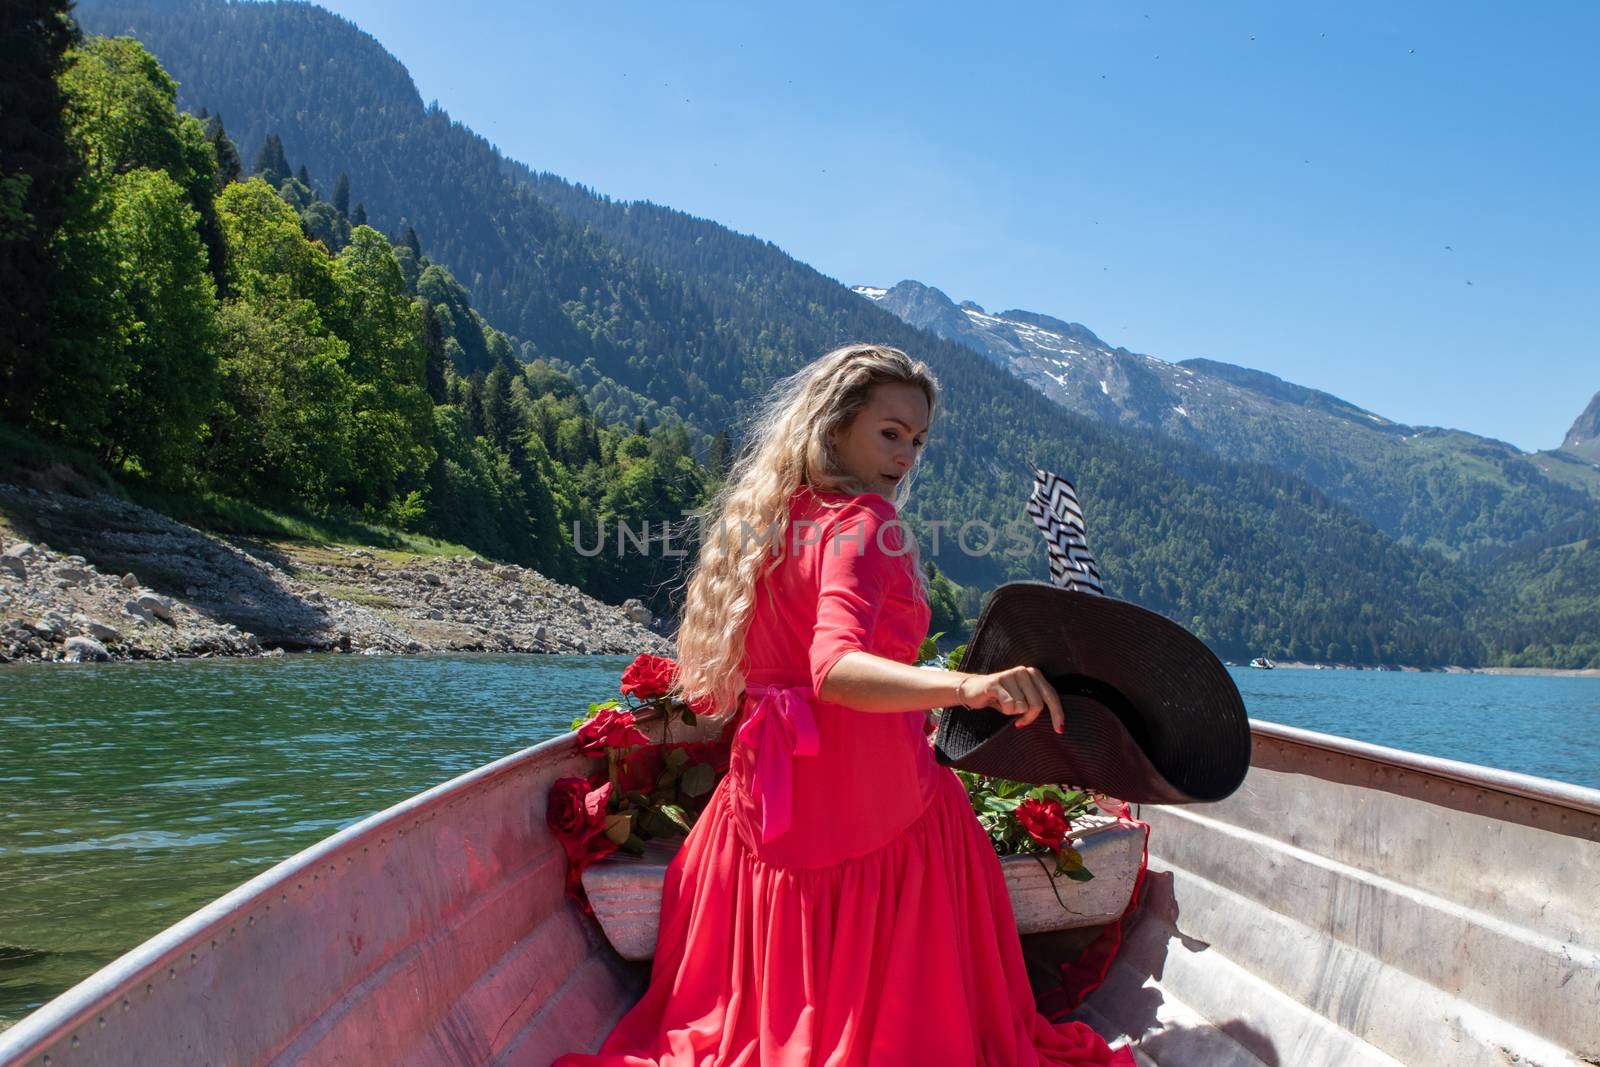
{"type": "Point", "coordinates": [779, 727]}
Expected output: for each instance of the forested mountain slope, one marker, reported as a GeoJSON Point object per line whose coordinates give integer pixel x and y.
{"type": "Point", "coordinates": [663, 314]}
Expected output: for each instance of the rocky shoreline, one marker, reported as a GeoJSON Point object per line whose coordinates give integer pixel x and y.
{"type": "Point", "coordinates": [99, 578]}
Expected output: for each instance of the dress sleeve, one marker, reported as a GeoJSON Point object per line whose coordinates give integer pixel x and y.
{"type": "Point", "coordinates": [862, 556]}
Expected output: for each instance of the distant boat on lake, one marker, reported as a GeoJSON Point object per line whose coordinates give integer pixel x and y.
{"type": "Point", "coordinates": [1263, 663]}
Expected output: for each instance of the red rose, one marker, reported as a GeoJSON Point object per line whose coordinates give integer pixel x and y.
{"type": "Point", "coordinates": [640, 769]}
{"type": "Point", "coordinates": [600, 846]}
{"type": "Point", "coordinates": [611, 728]}
{"type": "Point", "coordinates": [576, 813]}
{"type": "Point", "coordinates": [648, 677]}
{"type": "Point", "coordinates": [1045, 821]}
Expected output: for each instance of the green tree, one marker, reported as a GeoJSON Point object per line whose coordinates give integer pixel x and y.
{"type": "Point", "coordinates": [393, 431]}
{"type": "Point", "coordinates": [271, 165]}
{"type": "Point", "coordinates": [41, 180]}
{"type": "Point", "coordinates": [229, 167]}
{"type": "Point", "coordinates": [158, 412]}
{"type": "Point", "coordinates": [280, 428]}
{"type": "Point", "coordinates": [122, 107]}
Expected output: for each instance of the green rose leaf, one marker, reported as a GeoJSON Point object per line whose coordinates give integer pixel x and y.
{"type": "Point", "coordinates": [678, 816]}
{"type": "Point", "coordinates": [619, 827]}
{"type": "Point", "coordinates": [676, 758]}
{"type": "Point", "coordinates": [699, 780]}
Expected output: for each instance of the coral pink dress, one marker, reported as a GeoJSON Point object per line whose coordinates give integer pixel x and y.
{"type": "Point", "coordinates": [837, 903]}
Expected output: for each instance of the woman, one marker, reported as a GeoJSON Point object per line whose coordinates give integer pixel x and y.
{"type": "Point", "coordinates": [837, 903]}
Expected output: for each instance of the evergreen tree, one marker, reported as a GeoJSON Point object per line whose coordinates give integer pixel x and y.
{"type": "Point", "coordinates": [433, 345]}
{"type": "Point", "coordinates": [358, 217]}
{"type": "Point", "coordinates": [341, 195]}
{"type": "Point", "coordinates": [271, 165]}
{"type": "Point", "coordinates": [721, 454]}
{"type": "Point", "coordinates": [41, 179]}
{"type": "Point", "coordinates": [229, 168]}
{"type": "Point", "coordinates": [499, 417]}
{"type": "Point", "coordinates": [409, 239]}
{"type": "Point", "coordinates": [303, 176]}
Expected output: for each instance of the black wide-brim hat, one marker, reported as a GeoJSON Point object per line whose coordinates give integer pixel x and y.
{"type": "Point", "coordinates": [1152, 716]}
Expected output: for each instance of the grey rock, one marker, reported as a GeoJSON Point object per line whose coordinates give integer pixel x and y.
{"type": "Point", "coordinates": [98, 630]}
{"type": "Point", "coordinates": [157, 605]}
{"type": "Point", "coordinates": [129, 581]}
{"type": "Point", "coordinates": [85, 649]}
{"type": "Point", "coordinates": [73, 575]}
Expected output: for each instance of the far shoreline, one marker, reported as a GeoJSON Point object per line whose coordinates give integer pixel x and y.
{"type": "Point", "coordinates": [1552, 672]}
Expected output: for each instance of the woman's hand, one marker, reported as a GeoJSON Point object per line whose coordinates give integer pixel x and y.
{"type": "Point", "coordinates": [1020, 691]}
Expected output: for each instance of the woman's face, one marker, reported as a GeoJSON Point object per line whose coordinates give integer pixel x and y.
{"type": "Point", "coordinates": [887, 436]}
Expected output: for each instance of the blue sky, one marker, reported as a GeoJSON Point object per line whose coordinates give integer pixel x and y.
{"type": "Point", "coordinates": [1303, 188]}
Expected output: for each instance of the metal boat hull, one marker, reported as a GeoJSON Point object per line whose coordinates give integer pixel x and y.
{"type": "Point", "coordinates": [1350, 905]}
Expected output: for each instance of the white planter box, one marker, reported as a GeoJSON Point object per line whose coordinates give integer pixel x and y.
{"type": "Point", "coordinates": [625, 890]}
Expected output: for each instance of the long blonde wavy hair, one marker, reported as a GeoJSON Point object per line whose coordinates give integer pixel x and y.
{"type": "Point", "coordinates": [789, 443]}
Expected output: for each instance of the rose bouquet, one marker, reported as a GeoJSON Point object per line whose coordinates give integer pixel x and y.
{"type": "Point", "coordinates": [645, 789]}
{"type": "Point", "coordinates": [1022, 819]}
{"type": "Point", "coordinates": [651, 790]}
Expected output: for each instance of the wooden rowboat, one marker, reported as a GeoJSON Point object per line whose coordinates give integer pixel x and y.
{"type": "Point", "coordinates": [1350, 905]}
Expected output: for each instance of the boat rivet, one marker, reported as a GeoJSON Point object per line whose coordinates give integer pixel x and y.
{"type": "Point", "coordinates": [193, 957]}
{"type": "Point", "coordinates": [75, 1041]}
{"type": "Point", "coordinates": [125, 1005]}
{"type": "Point", "coordinates": [101, 1020]}
{"type": "Point", "coordinates": [252, 920]}
{"type": "Point", "coordinates": [172, 972]}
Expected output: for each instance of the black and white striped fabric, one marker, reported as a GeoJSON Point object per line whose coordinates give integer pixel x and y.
{"type": "Point", "coordinates": [1055, 510]}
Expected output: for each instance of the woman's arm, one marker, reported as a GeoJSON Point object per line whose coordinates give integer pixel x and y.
{"type": "Point", "coordinates": [871, 683]}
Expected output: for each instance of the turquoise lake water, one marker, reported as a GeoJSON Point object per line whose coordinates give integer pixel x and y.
{"type": "Point", "coordinates": [133, 793]}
